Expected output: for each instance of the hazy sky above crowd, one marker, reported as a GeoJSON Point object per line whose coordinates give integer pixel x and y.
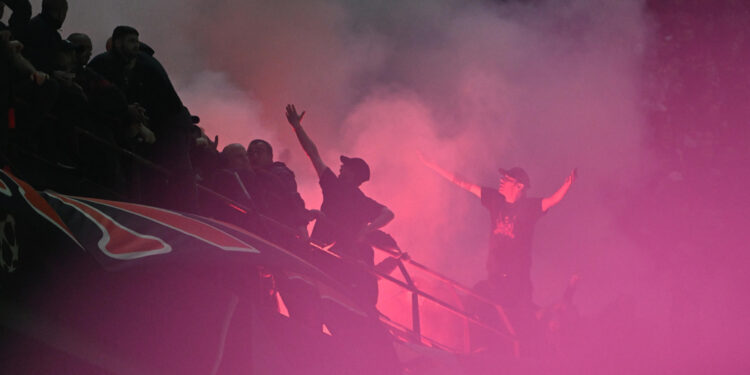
{"type": "Point", "coordinates": [473, 85]}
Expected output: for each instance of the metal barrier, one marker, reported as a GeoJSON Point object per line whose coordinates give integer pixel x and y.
{"type": "Point", "coordinates": [415, 332]}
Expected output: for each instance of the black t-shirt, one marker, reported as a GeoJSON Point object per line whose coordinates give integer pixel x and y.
{"type": "Point", "coordinates": [147, 83]}
{"type": "Point", "coordinates": [275, 189]}
{"type": "Point", "coordinates": [347, 209]}
{"type": "Point", "coordinates": [512, 228]}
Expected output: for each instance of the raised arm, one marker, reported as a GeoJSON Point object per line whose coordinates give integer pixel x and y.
{"type": "Point", "coordinates": [307, 144]}
{"type": "Point", "coordinates": [555, 198]}
{"type": "Point", "coordinates": [453, 177]}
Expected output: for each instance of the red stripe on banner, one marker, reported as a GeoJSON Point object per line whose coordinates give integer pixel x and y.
{"type": "Point", "coordinates": [40, 205]}
{"type": "Point", "coordinates": [118, 241]}
{"type": "Point", "coordinates": [237, 208]}
{"type": "Point", "coordinates": [184, 224]}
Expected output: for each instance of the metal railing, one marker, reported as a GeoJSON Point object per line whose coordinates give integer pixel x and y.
{"type": "Point", "coordinates": [413, 333]}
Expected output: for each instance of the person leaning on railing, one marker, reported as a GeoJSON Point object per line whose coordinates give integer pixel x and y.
{"type": "Point", "coordinates": [348, 215]}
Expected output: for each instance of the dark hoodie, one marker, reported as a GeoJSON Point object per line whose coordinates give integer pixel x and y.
{"type": "Point", "coordinates": [41, 42]}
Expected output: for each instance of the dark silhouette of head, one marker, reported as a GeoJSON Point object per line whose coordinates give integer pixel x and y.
{"type": "Point", "coordinates": [83, 47]}
{"type": "Point", "coordinates": [65, 57]}
{"type": "Point", "coordinates": [55, 10]}
{"type": "Point", "coordinates": [354, 170]}
{"type": "Point", "coordinates": [234, 157]}
{"type": "Point", "coordinates": [260, 153]}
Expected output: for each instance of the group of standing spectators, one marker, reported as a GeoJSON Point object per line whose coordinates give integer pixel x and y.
{"type": "Point", "coordinates": [113, 126]}
{"type": "Point", "coordinates": [122, 99]}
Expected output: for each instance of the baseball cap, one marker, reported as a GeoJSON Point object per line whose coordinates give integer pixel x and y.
{"type": "Point", "coordinates": [518, 173]}
{"type": "Point", "coordinates": [358, 166]}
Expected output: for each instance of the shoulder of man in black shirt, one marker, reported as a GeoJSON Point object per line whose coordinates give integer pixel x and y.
{"type": "Point", "coordinates": [108, 65]}
{"type": "Point", "coordinates": [284, 174]}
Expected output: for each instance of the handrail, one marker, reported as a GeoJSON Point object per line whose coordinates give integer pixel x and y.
{"type": "Point", "coordinates": [409, 285]}
{"type": "Point", "coordinates": [450, 282]}
{"type": "Point", "coordinates": [461, 287]}
{"type": "Point", "coordinates": [442, 303]}
{"type": "Point", "coordinates": [403, 330]}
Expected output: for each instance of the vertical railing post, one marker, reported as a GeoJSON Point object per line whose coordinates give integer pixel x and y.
{"type": "Point", "coordinates": [416, 324]}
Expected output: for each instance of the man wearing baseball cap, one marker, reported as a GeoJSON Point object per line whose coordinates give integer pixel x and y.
{"type": "Point", "coordinates": [348, 215]}
{"type": "Point", "coordinates": [513, 216]}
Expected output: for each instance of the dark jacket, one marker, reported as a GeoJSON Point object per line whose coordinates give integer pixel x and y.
{"type": "Point", "coordinates": [19, 20]}
{"type": "Point", "coordinates": [41, 41]}
{"type": "Point", "coordinates": [147, 83]}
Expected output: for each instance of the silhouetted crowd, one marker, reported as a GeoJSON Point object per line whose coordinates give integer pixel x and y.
{"type": "Point", "coordinates": [114, 127]}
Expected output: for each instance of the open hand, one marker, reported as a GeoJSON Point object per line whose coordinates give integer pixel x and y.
{"type": "Point", "coordinates": [39, 77]}
{"type": "Point", "coordinates": [137, 113]}
{"type": "Point", "coordinates": [292, 116]}
{"type": "Point", "coordinates": [147, 135]}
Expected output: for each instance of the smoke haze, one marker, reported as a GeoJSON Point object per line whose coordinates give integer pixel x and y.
{"type": "Point", "coordinates": [473, 85]}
